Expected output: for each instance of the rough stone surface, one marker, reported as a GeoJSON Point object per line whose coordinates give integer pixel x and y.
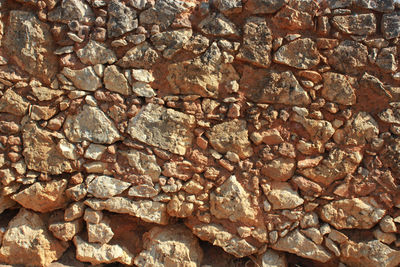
{"type": "Point", "coordinates": [13, 103]}
{"type": "Point", "coordinates": [71, 10]}
{"type": "Point", "coordinates": [300, 54]}
{"type": "Point", "coordinates": [390, 25]}
{"type": "Point", "coordinates": [349, 57]}
{"type": "Point", "coordinates": [115, 81]}
{"type": "Point", "coordinates": [91, 124]}
{"type": "Point", "coordinates": [282, 196]}
{"type": "Point", "coordinates": [122, 19]}
{"type": "Point", "coordinates": [96, 53]}
{"type": "Point", "coordinates": [337, 88]}
{"type": "Point", "coordinates": [264, 6]}
{"type": "Point", "coordinates": [105, 186]}
{"type": "Point", "coordinates": [27, 241]}
{"type": "Point", "coordinates": [84, 79]}
{"type": "Point", "coordinates": [359, 24]}
{"type": "Point", "coordinates": [163, 128]}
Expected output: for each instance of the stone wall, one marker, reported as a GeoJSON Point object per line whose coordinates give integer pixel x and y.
{"type": "Point", "coordinates": [200, 133]}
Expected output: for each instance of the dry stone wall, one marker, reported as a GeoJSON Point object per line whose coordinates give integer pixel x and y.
{"type": "Point", "coordinates": [200, 133]}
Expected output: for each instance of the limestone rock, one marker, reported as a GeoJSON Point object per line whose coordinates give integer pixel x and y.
{"type": "Point", "coordinates": [147, 210]}
{"type": "Point", "coordinates": [179, 208]}
{"type": "Point", "coordinates": [122, 19]}
{"type": "Point", "coordinates": [369, 254]}
{"type": "Point", "coordinates": [390, 115]}
{"type": "Point", "coordinates": [13, 103]}
{"type": "Point", "coordinates": [91, 124]}
{"type": "Point", "coordinates": [369, 81]}
{"type": "Point", "coordinates": [272, 258]}
{"type": "Point", "coordinates": [218, 236]}
{"type": "Point", "coordinates": [349, 57]}
{"type": "Point", "coordinates": [387, 59]}
{"type": "Point", "coordinates": [164, 12]}
{"type": "Point", "coordinates": [84, 79]}
{"type": "Point", "coordinates": [279, 169]}
{"type": "Point", "coordinates": [101, 253]}
{"type": "Point", "coordinates": [231, 201]}
{"type": "Point", "coordinates": [171, 42]}
{"type": "Point", "coordinates": [377, 5]}
{"type": "Point", "coordinates": [41, 153]}
{"type": "Point", "coordinates": [202, 75]}
{"type": "Point", "coordinates": [29, 43]}
{"type": "Point", "coordinates": [140, 56]}
{"type": "Point", "coordinates": [66, 231]}
{"type": "Point", "coordinates": [45, 94]}
{"type": "Point", "coordinates": [320, 131]}
{"type": "Point", "coordinates": [257, 43]}
{"type": "Point", "coordinates": [43, 196]}
{"type": "Point", "coordinates": [295, 242]}
{"type": "Point", "coordinates": [172, 245]}
{"type": "Point", "coordinates": [71, 10]}
{"type": "Point", "coordinates": [163, 128]}
{"type": "Point", "coordinates": [182, 170]}
{"type": "Point", "coordinates": [391, 155]}
{"type": "Point", "coordinates": [360, 130]}
{"type": "Point", "coordinates": [282, 196]}
{"type": "Point", "coordinates": [300, 54]}
{"type": "Point", "coordinates": [231, 136]}
{"type": "Point", "coordinates": [228, 7]}
{"type": "Point", "coordinates": [96, 53]}
{"type": "Point", "coordinates": [143, 163]}
{"type": "Point", "coordinates": [105, 186]}
{"type": "Point", "coordinates": [337, 88]}
{"type": "Point", "coordinates": [115, 81]}
{"type": "Point", "coordinates": [5, 203]}
{"type": "Point", "coordinates": [27, 241]}
{"type": "Point", "coordinates": [218, 25]}
{"type": "Point", "coordinates": [143, 89]}
{"type": "Point", "coordinates": [361, 213]}
{"type": "Point", "coordinates": [293, 19]}
{"type": "Point", "coordinates": [99, 232]}
{"type": "Point", "coordinates": [266, 86]}
{"type": "Point", "coordinates": [359, 24]}
{"type": "Point", "coordinates": [391, 25]}
{"type": "Point", "coordinates": [264, 6]}
{"type": "Point", "coordinates": [336, 166]}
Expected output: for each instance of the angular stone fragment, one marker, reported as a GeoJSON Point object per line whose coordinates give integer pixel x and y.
{"type": "Point", "coordinates": [369, 254]}
{"type": "Point", "coordinates": [336, 166]}
{"type": "Point", "coordinates": [264, 6]}
{"type": "Point", "coordinates": [231, 136]}
{"type": "Point", "coordinates": [272, 258]}
{"type": "Point", "coordinates": [96, 53]}
{"type": "Point", "coordinates": [231, 201]}
{"type": "Point", "coordinates": [171, 42]}
{"type": "Point", "coordinates": [101, 253]}
{"type": "Point", "coordinates": [45, 94]}
{"type": "Point", "coordinates": [320, 131]}
{"type": "Point", "coordinates": [279, 169]}
{"type": "Point", "coordinates": [41, 153]}
{"type": "Point", "coordinates": [369, 81]}
{"type": "Point", "coordinates": [143, 89]}
{"type": "Point", "coordinates": [172, 245]}
{"type": "Point", "coordinates": [182, 170]}
{"type": "Point", "coordinates": [337, 88]}
{"type": "Point", "coordinates": [391, 155]}
{"type": "Point", "coordinates": [282, 196]}
{"type": "Point", "coordinates": [43, 196]}
{"type": "Point", "coordinates": [377, 5]}
{"type": "Point", "coordinates": [84, 79]}
{"type": "Point", "coordinates": [147, 210]}
{"type": "Point", "coordinates": [122, 19]}
{"type": "Point", "coordinates": [391, 25]}
{"type": "Point", "coordinates": [5, 203]}
{"type": "Point", "coordinates": [27, 241]}
{"type": "Point", "coordinates": [164, 12]}
{"type": "Point", "coordinates": [99, 233]}
{"type": "Point", "coordinates": [218, 25]}
{"type": "Point", "coordinates": [300, 54]}
{"type": "Point", "coordinates": [115, 81]}
{"type": "Point", "coordinates": [179, 208]}
{"type": "Point", "coordinates": [268, 86]}
{"type": "Point", "coordinates": [202, 75]}
{"type": "Point", "coordinates": [143, 163]}
{"type": "Point", "coordinates": [91, 124]}
{"type": "Point", "coordinates": [257, 43]}
{"type": "Point", "coordinates": [217, 235]}
{"type": "Point", "coordinates": [163, 128]}
{"type": "Point", "coordinates": [140, 56]}
{"type": "Point", "coordinates": [390, 115]}
{"type": "Point", "coordinates": [358, 24]}
{"type": "Point", "coordinates": [29, 43]}
{"type": "Point", "coordinates": [360, 213]}
{"type": "Point", "coordinates": [349, 57]}
{"type": "Point", "coordinates": [292, 19]}
{"type": "Point", "coordinates": [361, 129]}
{"type": "Point", "coordinates": [105, 186]}
{"type": "Point", "coordinates": [387, 59]}
{"type": "Point", "coordinates": [228, 7]}
{"type": "Point", "coordinates": [295, 242]}
{"type": "Point", "coordinates": [13, 103]}
{"type": "Point", "coordinates": [71, 10]}
{"type": "Point", "coordinates": [66, 231]}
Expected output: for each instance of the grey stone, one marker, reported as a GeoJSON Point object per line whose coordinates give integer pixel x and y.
{"type": "Point", "coordinates": [391, 25]}
{"type": "Point", "coordinates": [264, 6]}
{"type": "Point", "coordinates": [84, 79]}
{"type": "Point", "coordinates": [218, 25]}
{"type": "Point", "coordinates": [71, 10]}
{"type": "Point", "coordinates": [376, 5]}
{"type": "Point", "coordinates": [338, 88]}
{"type": "Point", "coordinates": [170, 42]}
{"type": "Point", "coordinates": [349, 57]}
{"type": "Point", "coordinates": [122, 19]}
{"type": "Point", "coordinates": [105, 186]}
{"type": "Point", "coordinates": [358, 24]}
{"type": "Point", "coordinates": [115, 81]}
{"type": "Point", "coordinates": [96, 53]}
{"type": "Point", "coordinates": [228, 7]}
{"type": "Point", "coordinates": [301, 54]}
{"type": "Point", "coordinates": [140, 56]}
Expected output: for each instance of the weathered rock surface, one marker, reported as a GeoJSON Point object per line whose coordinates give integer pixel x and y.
{"type": "Point", "coordinates": [218, 25]}
{"type": "Point", "coordinates": [163, 128]}
{"type": "Point", "coordinates": [105, 186]}
{"type": "Point", "coordinates": [141, 56]}
{"type": "Point", "coordinates": [360, 24]}
{"type": "Point", "coordinates": [282, 196]}
{"type": "Point", "coordinates": [264, 6]}
{"type": "Point", "coordinates": [300, 54]}
{"type": "Point", "coordinates": [143, 163]}
{"type": "Point", "coordinates": [96, 53]}
{"type": "Point", "coordinates": [91, 124]}
{"type": "Point", "coordinates": [27, 241]}
{"type": "Point", "coordinates": [361, 213]}
{"type": "Point", "coordinates": [84, 79]}
{"type": "Point", "coordinates": [115, 81]}
{"type": "Point", "coordinates": [170, 246]}
{"type": "Point", "coordinates": [122, 19]}
{"type": "Point", "coordinates": [29, 42]}
{"type": "Point", "coordinates": [390, 25]}
{"type": "Point", "coordinates": [231, 136]}
{"type": "Point", "coordinates": [13, 103]}
{"type": "Point", "coordinates": [41, 152]}
{"type": "Point", "coordinates": [349, 56]}
{"type": "Point", "coordinates": [337, 88]}
{"type": "Point", "coordinates": [71, 10]}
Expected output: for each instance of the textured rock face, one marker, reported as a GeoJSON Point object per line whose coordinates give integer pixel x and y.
{"type": "Point", "coordinates": [210, 133]}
